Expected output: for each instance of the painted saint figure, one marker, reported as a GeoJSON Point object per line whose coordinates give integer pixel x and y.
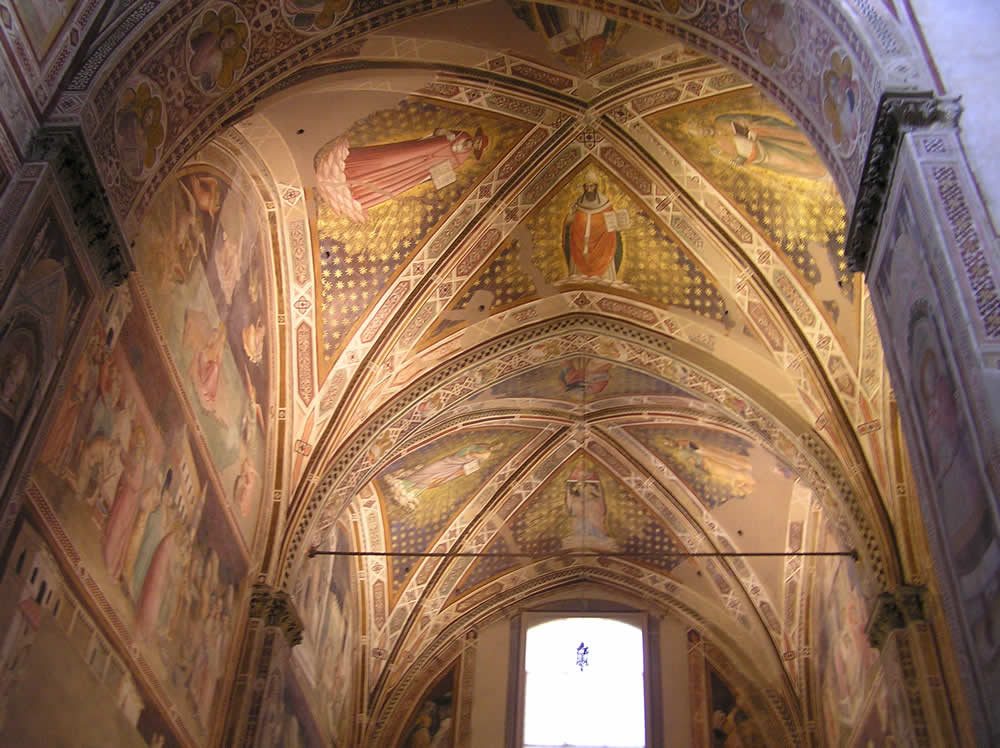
{"type": "Point", "coordinates": [408, 485]}
{"type": "Point", "coordinates": [205, 344]}
{"type": "Point", "coordinates": [592, 249]}
{"type": "Point", "coordinates": [354, 179]}
{"type": "Point", "coordinates": [587, 510]}
{"type": "Point", "coordinates": [125, 509]}
{"type": "Point", "coordinates": [762, 141]}
{"type": "Point", "coordinates": [585, 376]}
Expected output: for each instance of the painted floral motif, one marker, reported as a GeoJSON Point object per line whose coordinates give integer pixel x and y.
{"type": "Point", "coordinates": [139, 128]}
{"type": "Point", "coordinates": [218, 49]}
{"type": "Point", "coordinates": [770, 31]}
{"type": "Point", "coordinates": [314, 15]}
{"type": "Point", "coordinates": [841, 99]}
{"type": "Point", "coordinates": [683, 8]}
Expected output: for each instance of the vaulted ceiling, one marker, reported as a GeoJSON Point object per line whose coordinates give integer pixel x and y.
{"type": "Point", "coordinates": [474, 372]}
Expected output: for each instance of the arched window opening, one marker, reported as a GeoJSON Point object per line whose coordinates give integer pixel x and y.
{"type": "Point", "coordinates": [20, 564]}
{"type": "Point", "coordinates": [41, 594]}
{"type": "Point", "coordinates": [584, 684]}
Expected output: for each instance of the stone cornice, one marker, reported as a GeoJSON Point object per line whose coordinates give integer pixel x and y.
{"type": "Point", "coordinates": [66, 153]}
{"type": "Point", "coordinates": [898, 113]}
{"type": "Point", "coordinates": [275, 609]}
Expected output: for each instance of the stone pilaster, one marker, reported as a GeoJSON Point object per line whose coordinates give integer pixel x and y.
{"type": "Point", "coordinates": [933, 269]}
{"type": "Point", "coordinates": [273, 628]}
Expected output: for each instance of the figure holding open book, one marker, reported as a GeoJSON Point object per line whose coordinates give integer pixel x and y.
{"type": "Point", "coordinates": [354, 179]}
{"type": "Point", "coordinates": [592, 240]}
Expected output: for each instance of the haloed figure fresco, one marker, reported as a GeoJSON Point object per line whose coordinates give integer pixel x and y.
{"type": "Point", "coordinates": [591, 242]}
{"type": "Point", "coordinates": [409, 484]}
{"type": "Point", "coordinates": [354, 179]}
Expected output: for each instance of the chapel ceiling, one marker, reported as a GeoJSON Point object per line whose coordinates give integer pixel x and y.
{"type": "Point", "coordinates": [692, 371]}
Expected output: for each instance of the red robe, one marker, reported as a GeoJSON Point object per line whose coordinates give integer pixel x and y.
{"type": "Point", "coordinates": [355, 179]}
{"type": "Point", "coordinates": [590, 248]}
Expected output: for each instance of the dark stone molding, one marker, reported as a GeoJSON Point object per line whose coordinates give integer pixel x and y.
{"type": "Point", "coordinates": [898, 113]}
{"type": "Point", "coordinates": [66, 153]}
{"type": "Point", "coordinates": [275, 609]}
{"type": "Point", "coordinates": [894, 610]}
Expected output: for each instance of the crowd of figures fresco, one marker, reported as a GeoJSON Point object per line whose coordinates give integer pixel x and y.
{"type": "Point", "coordinates": [432, 725]}
{"type": "Point", "coordinates": [730, 725]}
{"type": "Point", "coordinates": [38, 317]}
{"type": "Point", "coordinates": [133, 491]}
{"type": "Point", "coordinates": [328, 601]}
{"type": "Point", "coordinates": [47, 631]}
{"type": "Point", "coordinates": [202, 253]}
{"type": "Point", "coordinates": [846, 661]}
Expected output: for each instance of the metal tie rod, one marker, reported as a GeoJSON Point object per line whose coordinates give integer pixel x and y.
{"type": "Point", "coordinates": [586, 554]}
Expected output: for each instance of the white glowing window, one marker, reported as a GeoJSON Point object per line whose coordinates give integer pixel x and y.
{"type": "Point", "coordinates": [600, 704]}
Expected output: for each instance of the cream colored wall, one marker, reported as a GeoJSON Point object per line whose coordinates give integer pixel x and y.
{"type": "Point", "coordinates": [675, 692]}
{"type": "Point", "coordinates": [489, 694]}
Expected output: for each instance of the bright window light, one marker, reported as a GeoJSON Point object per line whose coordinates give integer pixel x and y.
{"type": "Point", "coordinates": [598, 705]}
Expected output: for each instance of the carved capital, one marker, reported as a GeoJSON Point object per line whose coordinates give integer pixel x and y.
{"type": "Point", "coordinates": [898, 113]}
{"type": "Point", "coordinates": [911, 602]}
{"type": "Point", "coordinates": [894, 610]}
{"type": "Point", "coordinates": [274, 608]}
{"type": "Point", "coordinates": [66, 153]}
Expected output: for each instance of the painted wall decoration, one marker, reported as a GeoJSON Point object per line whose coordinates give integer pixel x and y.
{"type": "Point", "coordinates": [846, 662]}
{"type": "Point", "coordinates": [841, 99]}
{"type": "Point", "coordinates": [729, 723]}
{"type": "Point", "coordinates": [581, 507]}
{"type": "Point", "coordinates": [288, 722]}
{"type": "Point", "coordinates": [944, 453]}
{"type": "Point", "coordinates": [328, 601]}
{"type": "Point", "coordinates": [42, 21]}
{"type": "Point", "coordinates": [218, 48]}
{"type": "Point", "coordinates": [203, 255]}
{"type": "Point", "coordinates": [753, 153]}
{"type": "Point", "coordinates": [585, 39]}
{"type": "Point", "coordinates": [572, 224]}
{"type": "Point", "coordinates": [314, 15]}
{"type": "Point", "coordinates": [140, 126]}
{"type": "Point", "coordinates": [770, 29]}
{"type": "Point", "coordinates": [382, 187]}
{"type": "Point", "coordinates": [967, 523]}
{"type": "Point", "coordinates": [432, 725]}
{"type": "Point", "coordinates": [46, 631]}
{"type": "Point", "coordinates": [37, 320]}
{"type": "Point", "coordinates": [716, 465]}
{"type": "Point", "coordinates": [422, 492]}
{"type": "Point", "coordinates": [882, 710]}
{"type": "Point", "coordinates": [133, 494]}
{"type": "Point", "coordinates": [582, 379]}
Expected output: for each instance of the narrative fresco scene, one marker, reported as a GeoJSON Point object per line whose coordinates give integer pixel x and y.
{"type": "Point", "coordinates": [342, 342]}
